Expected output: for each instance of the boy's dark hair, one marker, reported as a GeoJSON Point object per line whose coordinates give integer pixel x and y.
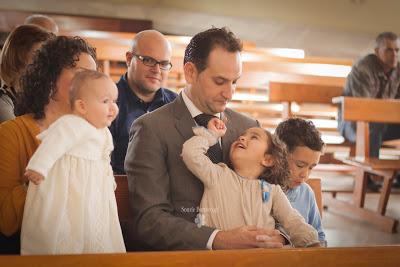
{"type": "Point", "coordinates": [201, 45]}
{"type": "Point", "coordinates": [296, 132]}
{"type": "Point", "coordinates": [279, 172]}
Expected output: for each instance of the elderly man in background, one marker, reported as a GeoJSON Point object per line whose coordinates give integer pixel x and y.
{"type": "Point", "coordinates": [375, 76]}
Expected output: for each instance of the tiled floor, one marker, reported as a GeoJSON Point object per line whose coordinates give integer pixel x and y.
{"type": "Point", "coordinates": [346, 230]}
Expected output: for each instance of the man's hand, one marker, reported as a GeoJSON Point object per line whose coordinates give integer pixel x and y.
{"type": "Point", "coordinates": [217, 126]}
{"type": "Point", "coordinates": [34, 177]}
{"type": "Point", "coordinates": [275, 237]}
{"type": "Point", "coordinates": [248, 237]}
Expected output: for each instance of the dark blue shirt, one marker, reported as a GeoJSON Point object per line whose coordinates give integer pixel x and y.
{"type": "Point", "coordinates": [131, 107]}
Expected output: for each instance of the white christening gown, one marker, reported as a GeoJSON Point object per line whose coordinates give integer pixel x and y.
{"type": "Point", "coordinates": [74, 209]}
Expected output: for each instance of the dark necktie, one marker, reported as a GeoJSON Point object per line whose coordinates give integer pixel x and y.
{"type": "Point", "coordinates": [215, 151]}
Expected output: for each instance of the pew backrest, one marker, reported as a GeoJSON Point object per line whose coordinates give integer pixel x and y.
{"type": "Point", "coordinates": [315, 184]}
{"type": "Point", "coordinates": [122, 197]}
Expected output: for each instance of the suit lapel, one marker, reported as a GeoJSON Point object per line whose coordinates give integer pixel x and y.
{"type": "Point", "coordinates": [228, 138]}
{"type": "Point", "coordinates": [183, 120]}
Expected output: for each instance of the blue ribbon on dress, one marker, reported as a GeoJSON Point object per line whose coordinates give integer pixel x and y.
{"type": "Point", "coordinates": [265, 191]}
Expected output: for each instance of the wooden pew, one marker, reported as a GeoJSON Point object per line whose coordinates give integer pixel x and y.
{"type": "Point", "coordinates": [319, 99]}
{"type": "Point", "coordinates": [122, 197]}
{"type": "Point", "coordinates": [13, 18]}
{"type": "Point", "coordinates": [388, 256]}
{"type": "Point", "coordinates": [363, 111]}
{"type": "Point", "coordinates": [315, 184]}
{"type": "Point", "coordinates": [288, 93]}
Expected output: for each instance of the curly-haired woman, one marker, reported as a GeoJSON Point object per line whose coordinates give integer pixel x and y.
{"type": "Point", "coordinates": [44, 98]}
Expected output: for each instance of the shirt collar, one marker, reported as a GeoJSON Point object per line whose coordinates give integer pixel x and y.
{"type": "Point", "coordinates": [194, 111]}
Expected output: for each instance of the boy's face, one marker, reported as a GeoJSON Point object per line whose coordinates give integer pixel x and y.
{"type": "Point", "coordinates": [100, 102]}
{"type": "Point", "coordinates": [250, 148]}
{"type": "Point", "coordinates": [301, 161]}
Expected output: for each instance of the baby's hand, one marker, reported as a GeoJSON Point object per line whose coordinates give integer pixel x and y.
{"type": "Point", "coordinates": [217, 126]}
{"type": "Point", "coordinates": [34, 177]}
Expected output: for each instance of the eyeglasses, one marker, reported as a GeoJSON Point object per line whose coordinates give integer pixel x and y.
{"type": "Point", "coordinates": [151, 62]}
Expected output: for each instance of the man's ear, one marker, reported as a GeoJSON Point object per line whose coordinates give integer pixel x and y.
{"type": "Point", "coordinates": [80, 106]}
{"type": "Point", "coordinates": [128, 57]}
{"type": "Point", "coordinates": [268, 161]}
{"type": "Point", "coordinates": [376, 51]}
{"type": "Point", "coordinates": [190, 71]}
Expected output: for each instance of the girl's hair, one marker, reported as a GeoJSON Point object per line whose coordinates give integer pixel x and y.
{"type": "Point", "coordinates": [16, 50]}
{"type": "Point", "coordinates": [279, 172]}
{"type": "Point", "coordinates": [39, 83]}
{"type": "Point", "coordinates": [81, 78]}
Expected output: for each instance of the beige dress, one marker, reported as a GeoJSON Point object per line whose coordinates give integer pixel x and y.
{"type": "Point", "coordinates": [230, 201]}
{"type": "Point", "coordinates": [74, 209]}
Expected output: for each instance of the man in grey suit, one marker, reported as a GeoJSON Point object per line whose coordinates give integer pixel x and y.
{"type": "Point", "coordinates": [164, 194]}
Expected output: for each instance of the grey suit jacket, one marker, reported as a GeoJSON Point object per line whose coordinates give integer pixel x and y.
{"type": "Point", "coordinates": [164, 195]}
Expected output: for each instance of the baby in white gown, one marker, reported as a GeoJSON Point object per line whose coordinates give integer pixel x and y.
{"type": "Point", "coordinates": [70, 206]}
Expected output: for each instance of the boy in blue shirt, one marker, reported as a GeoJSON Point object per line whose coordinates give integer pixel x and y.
{"type": "Point", "coordinates": [305, 146]}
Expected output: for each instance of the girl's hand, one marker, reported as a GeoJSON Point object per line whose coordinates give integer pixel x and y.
{"type": "Point", "coordinates": [34, 177]}
{"type": "Point", "coordinates": [217, 126]}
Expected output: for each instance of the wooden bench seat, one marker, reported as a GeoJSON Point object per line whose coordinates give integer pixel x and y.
{"type": "Point", "coordinates": [334, 168]}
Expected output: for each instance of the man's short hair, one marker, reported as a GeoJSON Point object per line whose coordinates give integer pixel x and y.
{"type": "Point", "coordinates": [296, 132]}
{"type": "Point", "coordinates": [201, 45]}
{"type": "Point", "coordinates": [385, 36]}
{"type": "Point", "coordinates": [79, 80]}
